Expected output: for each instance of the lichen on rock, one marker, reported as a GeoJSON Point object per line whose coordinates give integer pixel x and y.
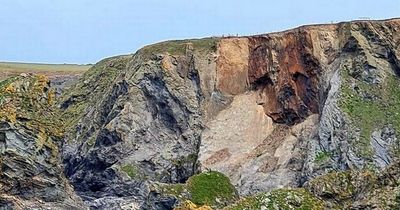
{"type": "Point", "coordinates": [30, 134]}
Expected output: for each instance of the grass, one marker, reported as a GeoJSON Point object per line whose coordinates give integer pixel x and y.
{"type": "Point", "coordinates": [92, 86]}
{"type": "Point", "coordinates": [130, 170]}
{"type": "Point", "coordinates": [206, 187]}
{"type": "Point", "coordinates": [381, 108]}
{"type": "Point", "coordinates": [179, 47]}
{"type": "Point", "coordinates": [322, 156]}
{"type": "Point", "coordinates": [175, 189]}
{"type": "Point", "coordinates": [209, 188]}
{"type": "Point", "coordinates": [8, 69]}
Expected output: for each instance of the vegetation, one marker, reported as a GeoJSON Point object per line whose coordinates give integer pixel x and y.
{"type": "Point", "coordinates": [364, 188]}
{"type": "Point", "coordinates": [322, 156]}
{"type": "Point", "coordinates": [285, 199]}
{"type": "Point", "coordinates": [90, 88]}
{"type": "Point", "coordinates": [206, 188]}
{"type": "Point", "coordinates": [9, 69]}
{"type": "Point", "coordinates": [179, 47]}
{"type": "Point", "coordinates": [28, 102]}
{"type": "Point", "coordinates": [209, 189]}
{"type": "Point", "coordinates": [130, 170]}
{"type": "Point", "coordinates": [335, 184]}
{"type": "Point", "coordinates": [370, 107]}
{"type": "Point", "coordinates": [178, 190]}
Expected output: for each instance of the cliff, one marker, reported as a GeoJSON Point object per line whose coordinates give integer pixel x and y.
{"type": "Point", "coordinates": [307, 110]}
{"type": "Point", "coordinates": [31, 176]}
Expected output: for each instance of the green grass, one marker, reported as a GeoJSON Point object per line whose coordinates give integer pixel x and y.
{"type": "Point", "coordinates": [370, 114]}
{"type": "Point", "coordinates": [130, 170]}
{"type": "Point", "coordinates": [206, 188]}
{"type": "Point", "coordinates": [91, 87]}
{"type": "Point", "coordinates": [322, 156]}
{"type": "Point", "coordinates": [174, 189]}
{"type": "Point", "coordinates": [178, 47]}
{"type": "Point", "coordinates": [8, 69]}
{"type": "Point", "coordinates": [209, 188]}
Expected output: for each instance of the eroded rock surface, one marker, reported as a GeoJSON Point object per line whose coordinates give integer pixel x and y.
{"type": "Point", "coordinates": [268, 111]}
{"type": "Point", "coordinates": [31, 176]}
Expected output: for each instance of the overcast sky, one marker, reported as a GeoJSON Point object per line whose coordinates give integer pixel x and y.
{"type": "Point", "coordinates": [85, 31]}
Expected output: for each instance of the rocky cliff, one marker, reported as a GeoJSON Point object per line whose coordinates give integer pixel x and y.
{"type": "Point", "coordinates": [306, 110]}
{"type": "Point", "coordinates": [31, 176]}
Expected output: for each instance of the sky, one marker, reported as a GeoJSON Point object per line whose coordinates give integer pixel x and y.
{"type": "Point", "coordinates": [85, 31]}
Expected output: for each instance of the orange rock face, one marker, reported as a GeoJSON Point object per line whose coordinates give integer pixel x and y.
{"type": "Point", "coordinates": [232, 65]}
{"type": "Point", "coordinates": [282, 69]}
{"type": "Point", "coordinates": [284, 72]}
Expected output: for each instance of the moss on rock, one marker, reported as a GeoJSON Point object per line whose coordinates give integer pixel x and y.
{"type": "Point", "coordinates": [86, 93]}
{"type": "Point", "coordinates": [209, 188]}
{"type": "Point", "coordinates": [284, 199]}
{"type": "Point", "coordinates": [189, 205]}
{"type": "Point", "coordinates": [370, 107]}
{"type": "Point", "coordinates": [322, 156]}
{"type": "Point", "coordinates": [28, 102]}
{"type": "Point", "coordinates": [363, 189]}
{"type": "Point", "coordinates": [130, 170]}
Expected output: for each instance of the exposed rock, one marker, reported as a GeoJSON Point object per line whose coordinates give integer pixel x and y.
{"type": "Point", "coordinates": [59, 83]}
{"type": "Point", "coordinates": [268, 111]}
{"type": "Point", "coordinates": [285, 73]}
{"type": "Point", "coordinates": [381, 142]}
{"type": "Point", "coordinates": [31, 175]}
{"type": "Point", "coordinates": [282, 199]}
{"type": "Point", "coordinates": [233, 66]}
{"type": "Point", "coordinates": [149, 120]}
{"type": "Point", "coordinates": [359, 189]}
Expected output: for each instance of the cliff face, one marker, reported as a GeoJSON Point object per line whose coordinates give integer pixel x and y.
{"type": "Point", "coordinates": [316, 84]}
{"type": "Point", "coordinates": [31, 176]}
{"type": "Point", "coordinates": [268, 111]}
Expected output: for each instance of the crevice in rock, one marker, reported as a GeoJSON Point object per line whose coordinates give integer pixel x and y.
{"type": "Point", "coordinates": [161, 102]}
{"type": "Point", "coordinates": [288, 81]}
{"type": "Point", "coordinates": [107, 138]}
{"type": "Point", "coordinates": [394, 62]}
{"type": "Point", "coordinates": [118, 89]}
{"type": "Point", "coordinates": [70, 101]}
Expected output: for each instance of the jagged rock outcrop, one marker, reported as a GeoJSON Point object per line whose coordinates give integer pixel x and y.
{"type": "Point", "coordinates": [31, 176]}
{"type": "Point", "coordinates": [351, 189]}
{"type": "Point", "coordinates": [356, 189]}
{"type": "Point", "coordinates": [148, 127]}
{"type": "Point", "coordinates": [268, 111]}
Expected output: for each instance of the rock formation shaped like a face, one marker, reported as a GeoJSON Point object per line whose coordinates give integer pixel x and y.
{"type": "Point", "coordinates": [282, 69]}
{"type": "Point", "coordinates": [285, 73]}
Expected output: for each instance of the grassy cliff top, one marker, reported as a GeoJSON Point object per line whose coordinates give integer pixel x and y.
{"type": "Point", "coordinates": [9, 69]}
{"type": "Point", "coordinates": [180, 47]}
